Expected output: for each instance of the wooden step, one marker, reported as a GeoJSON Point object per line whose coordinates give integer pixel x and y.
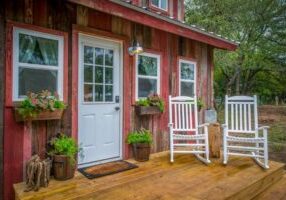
{"type": "Point", "coordinates": [276, 192]}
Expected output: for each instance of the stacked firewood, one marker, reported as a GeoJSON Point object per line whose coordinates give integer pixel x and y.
{"type": "Point", "coordinates": [37, 173]}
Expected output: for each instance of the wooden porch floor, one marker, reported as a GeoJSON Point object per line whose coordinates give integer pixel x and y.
{"type": "Point", "coordinates": [187, 178]}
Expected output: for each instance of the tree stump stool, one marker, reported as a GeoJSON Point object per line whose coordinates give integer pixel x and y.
{"type": "Point", "coordinates": [215, 140]}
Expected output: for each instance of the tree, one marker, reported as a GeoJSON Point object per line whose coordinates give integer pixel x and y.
{"type": "Point", "coordinates": [260, 27]}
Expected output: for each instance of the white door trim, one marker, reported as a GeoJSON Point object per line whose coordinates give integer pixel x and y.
{"type": "Point", "coordinates": [87, 38]}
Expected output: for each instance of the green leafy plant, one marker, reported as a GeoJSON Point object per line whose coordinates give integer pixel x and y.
{"type": "Point", "coordinates": [152, 100]}
{"type": "Point", "coordinates": [64, 145]}
{"type": "Point", "coordinates": [140, 136]}
{"type": "Point", "coordinates": [200, 103]}
{"type": "Point", "coordinates": [37, 102]}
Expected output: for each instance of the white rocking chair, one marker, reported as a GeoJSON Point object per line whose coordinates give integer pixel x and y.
{"type": "Point", "coordinates": [183, 120]}
{"type": "Point", "coordinates": [241, 132]}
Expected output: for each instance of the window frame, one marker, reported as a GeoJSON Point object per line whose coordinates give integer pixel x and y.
{"type": "Point", "coordinates": [183, 60]}
{"type": "Point", "coordinates": [158, 7]}
{"type": "Point", "coordinates": [158, 77]}
{"type": "Point", "coordinates": [16, 64]}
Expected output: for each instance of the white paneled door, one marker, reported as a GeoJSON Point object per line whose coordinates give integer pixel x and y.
{"type": "Point", "coordinates": [99, 100]}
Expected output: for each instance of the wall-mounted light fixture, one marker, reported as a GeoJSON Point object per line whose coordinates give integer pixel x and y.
{"type": "Point", "coordinates": [136, 48]}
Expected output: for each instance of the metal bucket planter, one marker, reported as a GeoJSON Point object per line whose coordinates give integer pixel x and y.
{"type": "Point", "coordinates": [141, 151]}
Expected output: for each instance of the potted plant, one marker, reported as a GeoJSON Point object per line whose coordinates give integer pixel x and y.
{"type": "Point", "coordinates": [140, 141]}
{"type": "Point", "coordinates": [151, 105]}
{"type": "Point", "coordinates": [63, 151]}
{"type": "Point", "coordinates": [40, 106]}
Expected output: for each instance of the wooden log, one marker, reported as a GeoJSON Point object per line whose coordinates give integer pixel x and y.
{"type": "Point", "coordinates": [215, 140]}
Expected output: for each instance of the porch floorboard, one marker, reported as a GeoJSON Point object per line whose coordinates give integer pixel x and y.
{"type": "Point", "coordinates": [186, 178]}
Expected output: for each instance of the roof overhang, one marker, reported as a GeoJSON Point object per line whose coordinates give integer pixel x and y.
{"type": "Point", "coordinates": [140, 15]}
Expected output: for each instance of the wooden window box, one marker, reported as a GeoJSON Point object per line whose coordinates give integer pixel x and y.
{"type": "Point", "coordinates": [147, 110]}
{"type": "Point", "coordinates": [44, 115]}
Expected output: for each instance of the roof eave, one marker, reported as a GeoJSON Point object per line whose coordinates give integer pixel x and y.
{"type": "Point", "coordinates": [148, 18]}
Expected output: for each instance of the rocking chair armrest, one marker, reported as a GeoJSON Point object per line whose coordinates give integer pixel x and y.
{"type": "Point", "coordinates": [170, 124]}
{"type": "Point", "coordinates": [265, 130]}
{"type": "Point", "coordinates": [263, 127]}
{"type": "Point", "coordinates": [223, 125]}
{"type": "Point", "coordinates": [203, 125]}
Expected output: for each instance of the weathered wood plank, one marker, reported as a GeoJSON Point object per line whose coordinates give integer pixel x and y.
{"type": "Point", "coordinates": [276, 191]}
{"type": "Point", "coordinates": [95, 19]}
{"type": "Point", "coordinates": [187, 178]}
{"type": "Point", "coordinates": [2, 61]}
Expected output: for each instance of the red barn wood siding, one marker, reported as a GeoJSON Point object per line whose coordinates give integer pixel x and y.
{"type": "Point", "coordinates": [22, 140]}
{"type": "Point", "coordinates": [2, 64]}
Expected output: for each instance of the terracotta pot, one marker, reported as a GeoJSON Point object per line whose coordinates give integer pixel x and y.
{"type": "Point", "coordinates": [141, 151]}
{"type": "Point", "coordinates": [63, 168]}
{"type": "Point", "coordinates": [44, 115]}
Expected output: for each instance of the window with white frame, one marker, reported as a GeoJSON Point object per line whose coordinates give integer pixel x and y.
{"type": "Point", "coordinates": [187, 78]}
{"type": "Point", "coordinates": [147, 75]}
{"type": "Point", "coordinates": [37, 63]}
{"type": "Point", "coordinates": [161, 4]}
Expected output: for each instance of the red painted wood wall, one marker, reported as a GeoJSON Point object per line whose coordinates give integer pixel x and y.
{"type": "Point", "coordinates": [72, 19]}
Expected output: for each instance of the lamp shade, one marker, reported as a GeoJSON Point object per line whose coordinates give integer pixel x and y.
{"type": "Point", "coordinates": [135, 48]}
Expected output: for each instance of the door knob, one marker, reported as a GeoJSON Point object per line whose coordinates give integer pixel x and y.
{"type": "Point", "coordinates": [117, 108]}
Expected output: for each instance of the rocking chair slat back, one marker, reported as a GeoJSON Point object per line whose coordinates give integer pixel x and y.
{"type": "Point", "coordinates": [241, 114]}
{"type": "Point", "coordinates": [183, 113]}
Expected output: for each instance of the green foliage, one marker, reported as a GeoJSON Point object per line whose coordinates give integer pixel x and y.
{"type": "Point", "coordinates": [152, 100]}
{"type": "Point", "coordinates": [200, 103]}
{"type": "Point", "coordinates": [64, 145]}
{"type": "Point", "coordinates": [35, 103]}
{"type": "Point", "coordinates": [259, 64]}
{"type": "Point", "coordinates": [141, 136]}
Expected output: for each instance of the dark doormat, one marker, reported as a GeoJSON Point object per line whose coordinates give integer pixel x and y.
{"type": "Point", "coordinates": [106, 169]}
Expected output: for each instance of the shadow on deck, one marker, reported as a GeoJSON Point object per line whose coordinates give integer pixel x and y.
{"type": "Point", "coordinates": [187, 178]}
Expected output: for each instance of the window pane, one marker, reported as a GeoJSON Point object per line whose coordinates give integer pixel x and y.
{"type": "Point", "coordinates": [147, 65]}
{"type": "Point", "coordinates": [187, 89]}
{"type": "Point", "coordinates": [88, 94]}
{"type": "Point", "coordinates": [99, 56]}
{"type": "Point", "coordinates": [109, 57]}
{"type": "Point", "coordinates": [146, 87]}
{"type": "Point", "coordinates": [155, 3]}
{"type": "Point", "coordinates": [36, 80]}
{"type": "Point", "coordinates": [164, 4]}
{"type": "Point", "coordinates": [98, 74]}
{"type": "Point", "coordinates": [98, 93]}
{"type": "Point", "coordinates": [187, 71]}
{"type": "Point", "coordinates": [88, 54]}
{"type": "Point", "coordinates": [38, 50]}
{"type": "Point", "coordinates": [108, 93]}
{"type": "Point", "coordinates": [108, 75]}
{"type": "Point", "coordinates": [88, 74]}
